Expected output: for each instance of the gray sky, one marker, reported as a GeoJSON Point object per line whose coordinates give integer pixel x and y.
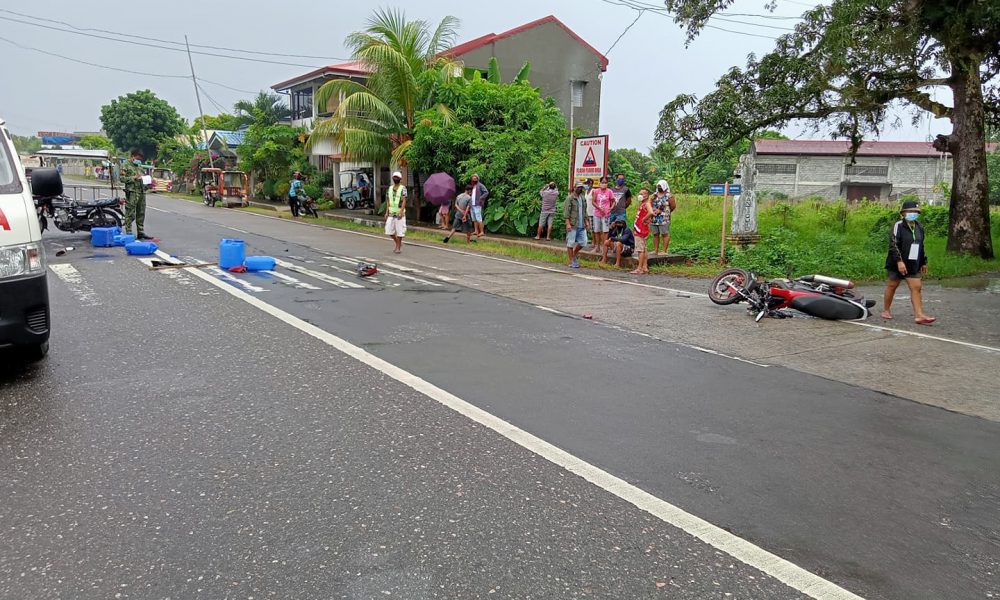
{"type": "Point", "coordinates": [648, 67]}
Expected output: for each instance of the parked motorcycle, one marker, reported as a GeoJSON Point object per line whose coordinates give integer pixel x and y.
{"type": "Point", "coordinates": [815, 295]}
{"type": "Point", "coordinates": [67, 213]}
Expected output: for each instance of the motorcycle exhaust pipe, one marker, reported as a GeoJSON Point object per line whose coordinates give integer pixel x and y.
{"type": "Point", "coordinates": [830, 281]}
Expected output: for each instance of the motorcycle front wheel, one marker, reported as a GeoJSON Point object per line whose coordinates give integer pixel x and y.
{"type": "Point", "coordinates": [720, 291]}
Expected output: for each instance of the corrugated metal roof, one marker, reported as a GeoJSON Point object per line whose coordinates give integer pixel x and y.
{"type": "Point", "coordinates": [842, 147]}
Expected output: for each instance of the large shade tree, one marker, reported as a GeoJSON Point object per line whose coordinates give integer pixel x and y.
{"type": "Point", "coordinates": [846, 66]}
{"type": "Point", "coordinates": [374, 121]}
{"type": "Point", "coordinates": [140, 120]}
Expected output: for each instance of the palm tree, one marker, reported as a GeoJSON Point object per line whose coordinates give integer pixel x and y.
{"type": "Point", "coordinates": [266, 108]}
{"type": "Point", "coordinates": [374, 121]}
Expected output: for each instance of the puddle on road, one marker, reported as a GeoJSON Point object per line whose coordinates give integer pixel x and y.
{"type": "Point", "coordinates": [990, 285]}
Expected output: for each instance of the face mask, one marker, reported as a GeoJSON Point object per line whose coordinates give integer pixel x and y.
{"type": "Point", "coordinates": [620, 181]}
{"type": "Point", "coordinates": [911, 216]}
{"type": "Point", "coordinates": [136, 162]}
{"type": "Point", "coordinates": [395, 180]}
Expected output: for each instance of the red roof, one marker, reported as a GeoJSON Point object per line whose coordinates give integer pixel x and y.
{"type": "Point", "coordinates": [489, 38]}
{"type": "Point", "coordinates": [353, 67]}
{"type": "Point", "coordinates": [842, 147]}
{"type": "Point", "coordinates": [358, 68]}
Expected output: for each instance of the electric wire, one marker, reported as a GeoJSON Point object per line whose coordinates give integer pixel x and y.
{"type": "Point", "coordinates": [146, 37]}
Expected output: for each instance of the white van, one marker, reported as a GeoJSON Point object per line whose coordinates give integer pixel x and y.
{"type": "Point", "coordinates": [24, 291]}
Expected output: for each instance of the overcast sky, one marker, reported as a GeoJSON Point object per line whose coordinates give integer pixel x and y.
{"type": "Point", "coordinates": [648, 67]}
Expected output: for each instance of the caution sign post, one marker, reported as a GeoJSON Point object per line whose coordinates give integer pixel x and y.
{"type": "Point", "coordinates": [590, 158]}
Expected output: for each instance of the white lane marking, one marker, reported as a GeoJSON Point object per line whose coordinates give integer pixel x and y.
{"type": "Point", "coordinates": [236, 229]}
{"type": "Point", "coordinates": [621, 281]}
{"type": "Point", "coordinates": [233, 280]}
{"type": "Point", "coordinates": [785, 571]}
{"type": "Point", "coordinates": [925, 336]}
{"type": "Point", "coordinates": [341, 283]}
{"type": "Point", "coordinates": [74, 281]}
{"type": "Point", "coordinates": [302, 285]}
{"type": "Point", "coordinates": [406, 269]}
{"type": "Point", "coordinates": [388, 272]}
{"type": "Point", "coordinates": [553, 311]}
{"type": "Point", "coordinates": [355, 274]}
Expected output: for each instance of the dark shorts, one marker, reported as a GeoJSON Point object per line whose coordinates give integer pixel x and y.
{"type": "Point", "coordinates": [461, 226]}
{"type": "Point", "coordinates": [895, 275]}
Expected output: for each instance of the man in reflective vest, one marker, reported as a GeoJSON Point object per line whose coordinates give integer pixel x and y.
{"type": "Point", "coordinates": [395, 211]}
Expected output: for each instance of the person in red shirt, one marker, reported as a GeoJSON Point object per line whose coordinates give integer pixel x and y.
{"type": "Point", "coordinates": [640, 230]}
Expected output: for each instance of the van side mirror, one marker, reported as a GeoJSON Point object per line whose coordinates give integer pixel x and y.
{"type": "Point", "coordinates": [46, 183]}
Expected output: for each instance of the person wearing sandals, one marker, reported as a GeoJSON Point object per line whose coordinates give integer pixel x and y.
{"type": "Point", "coordinates": [906, 261]}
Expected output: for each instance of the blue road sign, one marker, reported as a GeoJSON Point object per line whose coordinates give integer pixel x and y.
{"type": "Point", "coordinates": [719, 189]}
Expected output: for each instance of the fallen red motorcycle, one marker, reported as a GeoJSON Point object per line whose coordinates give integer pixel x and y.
{"type": "Point", "coordinates": [815, 295]}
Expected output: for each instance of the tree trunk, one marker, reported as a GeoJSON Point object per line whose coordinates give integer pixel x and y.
{"type": "Point", "coordinates": [969, 213]}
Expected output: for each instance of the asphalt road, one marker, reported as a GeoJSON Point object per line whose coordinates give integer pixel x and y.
{"type": "Point", "coordinates": [180, 443]}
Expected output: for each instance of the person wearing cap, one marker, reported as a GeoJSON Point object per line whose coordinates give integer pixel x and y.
{"type": "Point", "coordinates": [906, 260]}
{"type": "Point", "coordinates": [295, 189]}
{"type": "Point", "coordinates": [575, 215]}
{"type": "Point", "coordinates": [663, 204]}
{"type": "Point", "coordinates": [395, 211]}
{"type": "Point", "coordinates": [135, 196]}
{"type": "Point", "coordinates": [479, 195]}
{"type": "Point", "coordinates": [620, 240]}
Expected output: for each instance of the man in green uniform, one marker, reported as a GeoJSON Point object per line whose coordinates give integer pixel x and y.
{"type": "Point", "coordinates": [135, 196]}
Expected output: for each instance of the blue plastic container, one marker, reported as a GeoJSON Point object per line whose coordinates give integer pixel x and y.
{"type": "Point", "coordinates": [140, 248]}
{"type": "Point", "coordinates": [259, 263]}
{"type": "Point", "coordinates": [104, 237]}
{"type": "Point", "coordinates": [122, 238]}
{"type": "Point", "coordinates": [231, 253]}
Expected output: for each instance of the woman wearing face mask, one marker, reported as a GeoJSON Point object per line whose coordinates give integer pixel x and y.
{"type": "Point", "coordinates": [906, 260]}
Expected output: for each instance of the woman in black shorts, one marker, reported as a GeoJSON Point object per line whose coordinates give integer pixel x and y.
{"type": "Point", "coordinates": [906, 261]}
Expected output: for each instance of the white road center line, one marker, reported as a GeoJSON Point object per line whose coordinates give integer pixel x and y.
{"type": "Point", "coordinates": [341, 283]}
{"type": "Point", "coordinates": [388, 272]}
{"type": "Point", "coordinates": [292, 281]}
{"type": "Point", "coordinates": [234, 280]}
{"type": "Point", "coordinates": [74, 281]}
{"type": "Point", "coordinates": [785, 571]}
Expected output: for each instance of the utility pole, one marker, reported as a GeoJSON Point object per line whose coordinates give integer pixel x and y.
{"type": "Point", "coordinates": [194, 80]}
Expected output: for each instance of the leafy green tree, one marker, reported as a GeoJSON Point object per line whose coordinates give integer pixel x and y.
{"type": "Point", "coordinates": [993, 171]}
{"type": "Point", "coordinates": [644, 166]}
{"type": "Point", "coordinates": [140, 120]}
{"type": "Point", "coordinates": [267, 108]}
{"type": "Point", "coordinates": [273, 152]}
{"type": "Point", "coordinates": [222, 122]}
{"type": "Point", "coordinates": [510, 136]}
{"type": "Point", "coordinates": [96, 142]}
{"type": "Point", "coordinates": [26, 144]}
{"type": "Point", "coordinates": [374, 121]}
{"type": "Point", "coordinates": [177, 155]}
{"type": "Point", "coordinates": [845, 65]}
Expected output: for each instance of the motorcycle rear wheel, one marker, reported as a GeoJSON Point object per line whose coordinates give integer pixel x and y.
{"type": "Point", "coordinates": [720, 293]}
{"type": "Point", "coordinates": [105, 218]}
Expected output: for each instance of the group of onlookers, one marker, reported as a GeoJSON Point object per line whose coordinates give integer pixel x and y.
{"type": "Point", "coordinates": [603, 211]}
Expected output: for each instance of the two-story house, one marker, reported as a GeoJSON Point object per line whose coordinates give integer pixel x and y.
{"type": "Point", "coordinates": [563, 65]}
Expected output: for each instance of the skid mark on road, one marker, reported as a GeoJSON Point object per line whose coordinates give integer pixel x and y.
{"type": "Point", "coordinates": [76, 284]}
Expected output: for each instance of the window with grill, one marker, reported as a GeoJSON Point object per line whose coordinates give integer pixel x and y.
{"type": "Point", "coordinates": [776, 168]}
{"type": "Point", "coordinates": [866, 170]}
{"type": "Point", "coordinates": [302, 104]}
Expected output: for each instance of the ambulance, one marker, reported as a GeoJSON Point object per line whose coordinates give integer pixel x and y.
{"type": "Point", "coordinates": [24, 292]}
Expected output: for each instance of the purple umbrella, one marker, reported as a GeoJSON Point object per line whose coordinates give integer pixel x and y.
{"type": "Point", "coordinates": [439, 189]}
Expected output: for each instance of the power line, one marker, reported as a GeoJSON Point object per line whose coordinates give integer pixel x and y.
{"type": "Point", "coordinates": [146, 37]}
{"type": "Point", "coordinates": [663, 12]}
{"type": "Point", "coordinates": [637, 17]}
{"type": "Point", "coordinates": [637, 4]}
{"type": "Point", "coordinates": [83, 62]}
{"type": "Point", "coordinates": [218, 106]}
{"type": "Point", "coordinates": [118, 69]}
{"type": "Point", "coordinates": [161, 47]}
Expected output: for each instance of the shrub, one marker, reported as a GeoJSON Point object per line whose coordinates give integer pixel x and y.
{"type": "Point", "coordinates": [313, 190]}
{"type": "Point", "coordinates": [281, 190]}
{"type": "Point", "coordinates": [268, 189]}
